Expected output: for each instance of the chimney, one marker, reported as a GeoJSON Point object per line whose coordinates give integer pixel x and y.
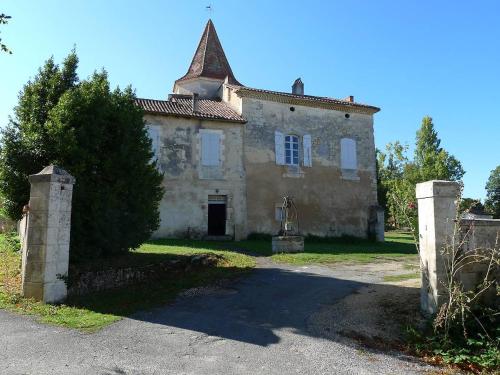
{"type": "Point", "coordinates": [195, 102]}
{"type": "Point", "coordinates": [298, 87]}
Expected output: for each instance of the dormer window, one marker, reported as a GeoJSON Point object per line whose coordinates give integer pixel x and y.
{"type": "Point", "coordinates": [291, 150]}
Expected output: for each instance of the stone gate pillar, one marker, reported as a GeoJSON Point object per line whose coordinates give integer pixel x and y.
{"type": "Point", "coordinates": [437, 210]}
{"type": "Point", "coordinates": [45, 249]}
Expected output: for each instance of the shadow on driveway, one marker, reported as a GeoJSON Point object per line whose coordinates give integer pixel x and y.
{"type": "Point", "coordinates": [255, 308]}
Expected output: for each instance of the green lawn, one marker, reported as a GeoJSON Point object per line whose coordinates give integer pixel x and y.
{"type": "Point", "coordinates": [398, 246]}
{"type": "Point", "coordinates": [92, 312]}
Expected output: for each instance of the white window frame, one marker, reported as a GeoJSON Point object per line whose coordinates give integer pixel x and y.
{"type": "Point", "coordinates": [292, 150]}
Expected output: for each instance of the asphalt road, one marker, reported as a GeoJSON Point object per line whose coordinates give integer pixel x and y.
{"type": "Point", "coordinates": [258, 325]}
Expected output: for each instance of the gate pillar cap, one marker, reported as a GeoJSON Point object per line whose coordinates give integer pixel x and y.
{"type": "Point", "coordinates": [52, 173]}
{"type": "Point", "coordinates": [437, 188]}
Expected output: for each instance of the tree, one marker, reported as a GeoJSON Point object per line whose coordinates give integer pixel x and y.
{"type": "Point", "coordinates": [399, 174]}
{"type": "Point", "coordinates": [467, 204]}
{"type": "Point", "coordinates": [4, 19]}
{"type": "Point", "coordinates": [492, 203]}
{"type": "Point", "coordinates": [433, 162]}
{"type": "Point", "coordinates": [25, 146]}
{"type": "Point", "coordinates": [98, 135]}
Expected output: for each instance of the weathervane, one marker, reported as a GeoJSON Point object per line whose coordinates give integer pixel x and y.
{"type": "Point", "coordinates": [209, 9]}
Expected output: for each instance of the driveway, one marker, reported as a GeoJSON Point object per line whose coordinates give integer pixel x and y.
{"type": "Point", "coordinates": [260, 324]}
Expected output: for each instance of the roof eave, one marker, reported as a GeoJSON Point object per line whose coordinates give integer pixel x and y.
{"type": "Point", "coordinates": [306, 101]}
{"type": "Point", "coordinates": [198, 117]}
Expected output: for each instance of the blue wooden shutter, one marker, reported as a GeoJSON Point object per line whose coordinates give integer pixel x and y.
{"type": "Point", "coordinates": [279, 147]}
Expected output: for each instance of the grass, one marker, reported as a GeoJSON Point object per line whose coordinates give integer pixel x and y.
{"type": "Point", "coordinates": [398, 246]}
{"type": "Point", "coordinates": [402, 277]}
{"type": "Point", "coordinates": [91, 312]}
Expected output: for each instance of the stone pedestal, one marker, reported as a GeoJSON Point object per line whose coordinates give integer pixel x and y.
{"type": "Point", "coordinates": [288, 244]}
{"type": "Point", "coordinates": [436, 214]}
{"type": "Point", "coordinates": [45, 248]}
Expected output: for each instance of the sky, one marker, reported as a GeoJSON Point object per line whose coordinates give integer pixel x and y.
{"type": "Point", "coordinates": [410, 58]}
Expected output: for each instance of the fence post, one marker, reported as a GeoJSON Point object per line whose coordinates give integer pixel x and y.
{"type": "Point", "coordinates": [45, 248]}
{"type": "Point", "coordinates": [436, 214]}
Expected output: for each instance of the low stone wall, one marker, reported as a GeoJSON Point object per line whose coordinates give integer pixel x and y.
{"type": "Point", "coordinates": [480, 236]}
{"type": "Point", "coordinates": [80, 283]}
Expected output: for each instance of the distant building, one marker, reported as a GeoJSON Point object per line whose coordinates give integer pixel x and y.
{"type": "Point", "coordinates": [230, 152]}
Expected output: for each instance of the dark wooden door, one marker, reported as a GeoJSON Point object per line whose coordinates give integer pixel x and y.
{"type": "Point", "coordinates": [216, 219]}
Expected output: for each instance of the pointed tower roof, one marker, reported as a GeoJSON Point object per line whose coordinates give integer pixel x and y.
{"type": "Point", "coordinates": [209, 59]}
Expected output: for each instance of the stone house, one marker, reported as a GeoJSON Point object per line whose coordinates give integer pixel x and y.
{"type": "Point", "coordinates": [229, 153]}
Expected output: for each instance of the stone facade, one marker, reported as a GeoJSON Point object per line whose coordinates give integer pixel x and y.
{"type": "Point", "coordinates": [332, 199]}
{"type": "Point", "coordinates": [188, 184]}
{"type": "Point", "coordinates": [330, 202]}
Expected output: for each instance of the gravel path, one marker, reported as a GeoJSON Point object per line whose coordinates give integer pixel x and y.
{"type": "Point", "coordinates": [260, 325]}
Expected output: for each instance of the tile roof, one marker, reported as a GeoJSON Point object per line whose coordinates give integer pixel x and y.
{"type": "Point", "coordinates": [209, 59]}
{"type": "Point", "coordinates": [183, 107]}
{"type": "Point", "coordinates": [307, 100]}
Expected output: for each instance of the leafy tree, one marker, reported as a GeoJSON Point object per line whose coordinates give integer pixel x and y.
{"type": "Point", "coordinates": [492, 203]}
{"type": "Point", "coordinates": [4, 19]}
{"type": "Point", "coordinates": [399, 174]}
{"type": "Point", "coordinates": [98, 135]}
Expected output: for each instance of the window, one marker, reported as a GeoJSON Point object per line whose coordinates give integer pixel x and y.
{"type": "Point", "coordinates": [291, 150]}
{"type": "Point", "coordinates": [348, 157]}
{"type": "Point", "coordinates": [210, 148]}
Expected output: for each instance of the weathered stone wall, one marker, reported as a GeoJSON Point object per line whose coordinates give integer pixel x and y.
{"type": "Point", "coordinates": [184, 207]}
{"type": "Point", "coordinates": [84, 282]}
{"type": "Point", "coordinates": [329, 202]}
{"type": "Point", "coordinates": [206, 88]}
{"type": "Point", "coordinates": [480, 235]}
